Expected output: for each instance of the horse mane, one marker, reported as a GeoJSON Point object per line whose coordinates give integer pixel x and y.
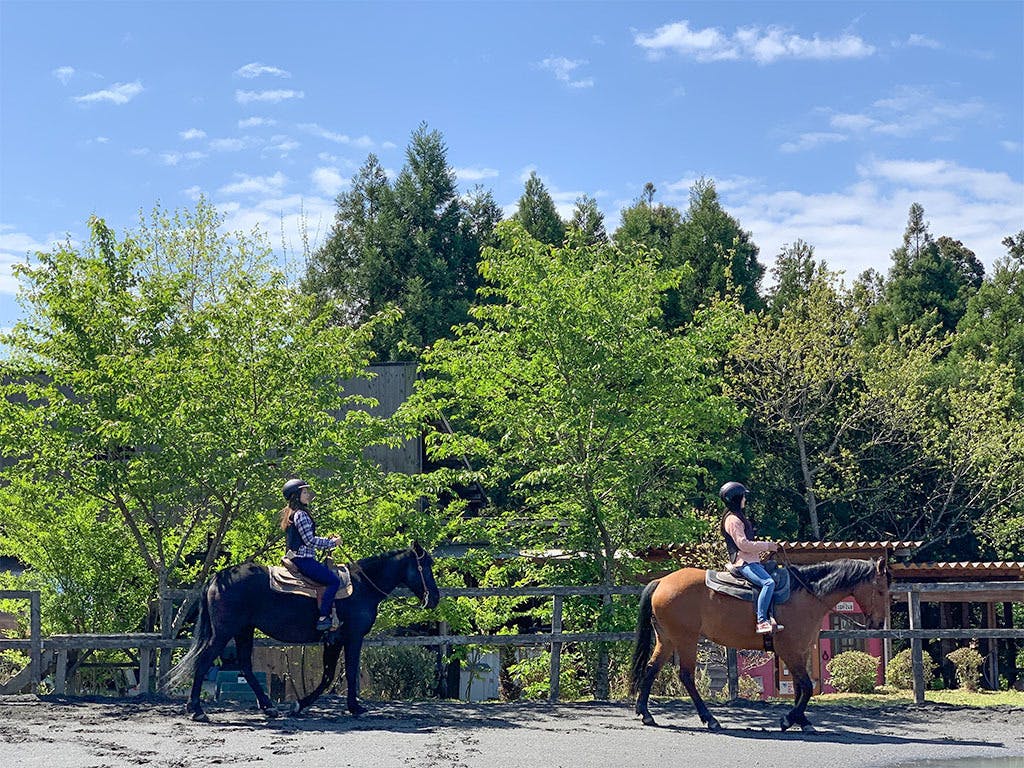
{"type": "Point", "coordinates": [822, 579]}
{"type": "Point", "coordinates": [376, 560]}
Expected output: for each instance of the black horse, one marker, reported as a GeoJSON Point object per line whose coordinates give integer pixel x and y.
{"type": "Point", "coordinates": [238, 600]}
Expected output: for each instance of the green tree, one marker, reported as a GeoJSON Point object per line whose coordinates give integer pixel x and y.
{"type": "Point", "coordinates": [588, 219]}
{"type": "Point", "coordinates": [537, 213]}
{"type": "Point", "coordinates": [720, 253]}
{"type": "Point", "coordinates": [412, 245]}
{"type": "Point", "coordinates": [798, 371]}
{"type": "Point", "coordinates": [565, 388]}
{"type": "Point", "coordinates": [161, 388]}
{"type": "Point", "coordinates": [794, 272]}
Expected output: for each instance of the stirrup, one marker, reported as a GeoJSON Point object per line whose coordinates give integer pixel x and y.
{"type": "Point", "coordinates": [323, 624]}
{"type": "Point", "coordinates": [776, 627]}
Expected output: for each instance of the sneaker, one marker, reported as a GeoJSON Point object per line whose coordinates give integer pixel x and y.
{"type": "Point", "coordinates": [764, 628]}
{"type": "Point", "coordinates": [323, 623]}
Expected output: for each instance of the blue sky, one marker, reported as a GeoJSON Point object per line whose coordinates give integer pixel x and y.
{"type": "Point", "coordinates": [822, 121]}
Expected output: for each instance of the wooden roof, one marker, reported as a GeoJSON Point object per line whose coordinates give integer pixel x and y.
{"type": "Point", "coordinates": [960, 571]}
{"type": "Point", "coordinates": [816, 551]}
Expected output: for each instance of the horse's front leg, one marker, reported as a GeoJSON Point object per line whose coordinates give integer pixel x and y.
{"type": "Point", "coordinates": [353, 651]}
{"type": "Point", "coordinates": [331, 653]}
{"type": "Point", "coordinates": [803, 688]}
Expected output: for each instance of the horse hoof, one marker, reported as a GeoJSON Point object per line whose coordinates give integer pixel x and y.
{"type": "Point", "coordinates": [648, 720]}
{"type": "Point", "coordinates": [784, 723]}
{"type": "Point", "coordinates": [714, 726]}
{"type": "Point", "coordinates": [200, 717]}
{"type": "Point", "coordinates": [357, 709]}
{"type": "Point", "coordinates": [295, 709]}
{"type": "Point", "coordinates": [808, 728]}
{"type": "Point", "coordinates": [271, 712]}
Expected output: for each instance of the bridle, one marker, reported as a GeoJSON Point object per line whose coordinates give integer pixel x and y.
{"type": "Point", "coordinates": [356, 568]}
{"type": "Point", "coordinates": [795, 573]}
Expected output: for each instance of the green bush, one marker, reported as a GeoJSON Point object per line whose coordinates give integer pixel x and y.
{"type": "Point", "coordinates": [853, 672]}
{"type": "Point", "coordinates": [900, 671]}
{"type": "Point", "coordinates": [968, 667]}
{"type": "Point", "coordinates": [403, 672]}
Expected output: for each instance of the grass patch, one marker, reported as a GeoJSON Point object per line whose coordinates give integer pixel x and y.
{"type": "Point", "coordinates": [957, 698]}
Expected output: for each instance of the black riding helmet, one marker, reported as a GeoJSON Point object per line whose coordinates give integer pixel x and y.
{"type": "Point", "coordinates": [293, 488]}
{"type": "Point", "coordinates": [731, 493]}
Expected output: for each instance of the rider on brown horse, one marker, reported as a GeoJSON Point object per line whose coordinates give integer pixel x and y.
{"type": "Point", "coordinates": [745, 553]}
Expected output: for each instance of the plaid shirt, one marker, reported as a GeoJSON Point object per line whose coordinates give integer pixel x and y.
{"type": "Point", "coordinates": [307, 532]}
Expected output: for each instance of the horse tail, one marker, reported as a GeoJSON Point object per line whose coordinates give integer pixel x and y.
{"type": "Point", "coordinates": [183, 672]}
{"type": "Point", "coordinates": [644, 635]}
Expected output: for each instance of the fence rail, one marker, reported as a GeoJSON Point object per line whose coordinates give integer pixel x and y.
{"type": "Point", "coordinates": [149, 644]}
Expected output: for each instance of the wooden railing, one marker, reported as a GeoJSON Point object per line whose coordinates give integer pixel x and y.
{"type": "Point", "coordinates": [150, 643]}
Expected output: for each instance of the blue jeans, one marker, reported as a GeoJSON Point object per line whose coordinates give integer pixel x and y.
{"type": "Point", "coordinates": [317, 571]}
{"type": "Point", "coordinates": [756, 573]}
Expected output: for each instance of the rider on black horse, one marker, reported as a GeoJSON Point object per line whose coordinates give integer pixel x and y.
{"type": "Point", "coordinates": [302, 541]}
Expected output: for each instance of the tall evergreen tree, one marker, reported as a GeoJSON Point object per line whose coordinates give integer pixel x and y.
{"type": "Point", "coordinates": [537, 213]}
{"type": "Point", "coordinates": [588, 220]}
{"type": "Point", "coordinates": [413, 245]}
{"type": "Point", "coordinates": [794, 272]}
{"type": "Point", "coordinates": [717, 249]}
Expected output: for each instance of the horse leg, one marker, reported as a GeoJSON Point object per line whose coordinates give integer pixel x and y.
{"type": "Point", "coordinates": [803, 689]}
{"type": "Point", "coordinates": [353, 650]}
{"type": "Point", "coordinates": [203, 663]}
{"type": "Point", "coordinates": [244, 644]}
{"type": "Point", "coordinates": [687, 667]}
{"type": "Point", "coordinates": [659, 656]}
{"type": "Point", "coordinates": [331, 652]}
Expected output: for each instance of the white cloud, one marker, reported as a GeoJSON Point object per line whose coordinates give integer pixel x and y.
{"type": "Point", "coordinates": [175, 158]}
{"type": "Point", "coordinates": [255, 69]}
{"type": "Point", "coordinates": [14, 249]}
{"type": "Point", "coordinates": [857, 228]}
{"type": "Point", "coordinates": [282, 144]}
{"type": "Point", "coordinates": [256, 122]}
{"type": "Point", "coordinates": [255, 185]}
{"type": "Point", "coordinates": [192, 133]}
{"type": "Point", "coordinates": [851, 122]}
{"type": "Point", "coordinates": [389, 145]}
{"type": "Point", "coordinates": [228, 145]}
{"type": "Point", "coordinates": [193, 193]}
{"type": "Point", "coordinates": [923, 41]}
{"type": "Point", "coordinates": [475, 174]}
{"type": "Point", "coordinates": [1010, 146]}
{"type": "Point", "coordinates": [764, 46]}
{"type": "Point", "coordinates": [328, 181]}
{"type": "Point", "coordinates": [64, 74]}
{"type": "Point", "coordinates": [363, 142]}
{"type": "Point", "coordinates": [118, 93]}
{"type": "Point", "coordinates": [812, 140]}
{"type": "Point", "coordinates": [272, 97]}
{"type": "Point", "coordinates": [564, 70]}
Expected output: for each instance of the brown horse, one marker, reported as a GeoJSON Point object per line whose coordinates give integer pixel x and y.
{"type": "Point", "coordinates": [678, 609]}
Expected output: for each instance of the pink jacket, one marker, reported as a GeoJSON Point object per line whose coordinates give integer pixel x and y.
{"type": "Point", "coordinates": [748, 550]}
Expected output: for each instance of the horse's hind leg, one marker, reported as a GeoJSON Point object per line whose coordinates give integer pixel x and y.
{"type": "Point", "coordinates": [659, 656]}
{"type": "Point", "coordinates": [687, 667]}
{"type": "Point", "coordinates": [204, 661]}
{"type": "Point", "coordinates": [244, 644]}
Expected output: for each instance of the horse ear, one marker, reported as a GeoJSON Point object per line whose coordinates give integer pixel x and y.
{"type": "Point", "coordinates": [415, 547]}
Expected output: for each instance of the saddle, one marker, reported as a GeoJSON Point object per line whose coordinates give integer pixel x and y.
{"type": "Point", "coordinates": [737, 586]}
{"type": "Point", "coordinates": [287, 578]}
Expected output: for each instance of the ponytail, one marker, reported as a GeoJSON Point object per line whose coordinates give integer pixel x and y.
{"type": "Point", "coordinates": [286, 517]}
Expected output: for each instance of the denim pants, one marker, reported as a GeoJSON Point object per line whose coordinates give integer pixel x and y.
{"type": "Point", "coordinates": [756, 573]}
{"type": "Point", "coordinates": [317, 571]}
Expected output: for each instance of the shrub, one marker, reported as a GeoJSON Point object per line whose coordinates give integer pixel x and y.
{"type": "Point", "coordinates": [749, 688]}
{"type": "Point", "coordinates": [900, 671]}
{"type": "Point", "coordinates": [398, 673]}
{"type": "Point", "coordinates": [853, 672]}
{"type": "Point", "coordinates": [968, 667]}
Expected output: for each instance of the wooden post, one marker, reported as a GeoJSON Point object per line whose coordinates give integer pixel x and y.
{"type": "Point", "coordinates": [443, 649]}
{"type": "Point", "coordinates": [36, 653]}
{"type": "Point", "coordinates": [556, 650]}
{"type": "Point", "coordinates": [145, 669]}
{"type": "Point", "coordinates": [992, 645]}
{"type": "Point", "coordinates": [914, 603]}
{"type": "Point", "coordinates": [60, 678]}
{"type": "Point", "coordinates": [733, 671]}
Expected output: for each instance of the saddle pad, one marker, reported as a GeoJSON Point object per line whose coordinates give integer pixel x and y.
{"type": "Point", "coordinates": [285, 578]}
{"type": "Point", "coordinates": [727, 584]}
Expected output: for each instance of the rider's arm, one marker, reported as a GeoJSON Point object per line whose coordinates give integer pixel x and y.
{"type": "Point", "coordinates": [304, 525]}
{"type": "Point", "coordinates": [734, 527]}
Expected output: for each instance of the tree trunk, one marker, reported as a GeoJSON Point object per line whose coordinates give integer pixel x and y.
{"type": "Point", "coordinates": [808, 477]}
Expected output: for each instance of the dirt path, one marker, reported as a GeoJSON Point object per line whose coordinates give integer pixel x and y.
{"type": "Point", "coordinates": [49, 732]}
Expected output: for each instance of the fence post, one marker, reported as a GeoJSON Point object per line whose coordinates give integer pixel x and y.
{"type": "Point", "coordinates": [164, 654]}
{"type": "Point", "coordinates": [732, 667]}
{"type": "Point", "coordinates": [60, 678]}
{"type": "Point", "coordinates": [36, 654]}
{"type": "Point", "coordinates": [145, 668]}
{"type": "Point", "coordinates": [917, 659]}
{"type": "Point", "coordinates": [556, 650]}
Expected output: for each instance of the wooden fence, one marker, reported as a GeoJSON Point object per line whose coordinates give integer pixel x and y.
{"type": "Point", "coordinates": [59, 646]}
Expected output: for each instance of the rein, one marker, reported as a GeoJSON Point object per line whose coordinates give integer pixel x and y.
{"type": "Point", "coordinates": [361, 572]}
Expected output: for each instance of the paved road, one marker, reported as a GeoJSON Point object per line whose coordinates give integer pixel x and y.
{"type": "Point", "coordinates": [50, 732]}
